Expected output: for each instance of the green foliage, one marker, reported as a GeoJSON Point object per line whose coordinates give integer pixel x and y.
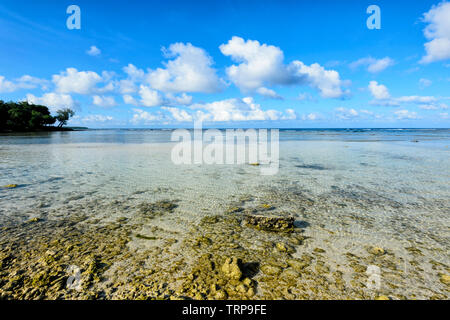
{"type": "Point", "coordinates": [23, 116]}
{"type": "Point", "coordinates": [63, 116]}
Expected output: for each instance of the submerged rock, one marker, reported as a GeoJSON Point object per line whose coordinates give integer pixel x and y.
{"type": "Point", "coordinates": [270, 223]}
{"type": "Point", "coordinates": [377, 251]}
{"type": "Point", "coordinates": [265, 207]}
{"type": "Point", "coordinates": [232, 268]}
{"type": "Point", "coordinates": [283, 247]}
{"type": "Point", "coordinates": [382, 298]}
{"type": "Point", "coordinates": [445, 279]}
{"type": "Point", "coordinates": [157, 208]}
{"type": "Point", "coordinates": [271, 270]}
{"type": "Point", "coordinates": [234, 210]}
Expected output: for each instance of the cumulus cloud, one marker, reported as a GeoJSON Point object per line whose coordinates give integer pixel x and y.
{"type": "Point", "coordinates": [6, 85]}
{"type": "Point", "coordinates": [383, 98]}
{"type": "Point", "coordinates": [182, 99]}
{"type": "Point", "coordinates": [268, 93]}
{"type": "Point", "coordinates": [237, 110]}
{"type": "Point", "coordinates": [149, 97]}
{"type": "Point", "coordinates": [54, 101]}
{"type": "Point", "coordinates": [133, 72]}
{"type": "Point", "coordinates": [373, 65]}
{"type": "Point", "coordinates": [179, 114]}
{"type": "Point", "coordinates": [416, 99]}
{"type": "Point", "coordinates": [328, 82]}
{"type": "Point", "coordinates": [81, 82]}
{"type": "Point", "coordinates": [134, 75]}
{"type": "Point", "coordinates": [438, 33]}
{"type": "Point", "coordinates": [406, 115]}
{"type": "Point", "coordinates": [127, 86]}
{"type": "Point", "coordinates": [24, 82]}
{"type": "Point", "coordinates": [290, 114]}
{"type": "Point", "coordinates": [349, 114]}
{"type": "Point", "coordinates": [424, 83]}
{"type": "Point", "coordinates": [258, 64]}
{"type": "Point", "coordinates": [428, 107]}
{"type": "Point", "coordinates": [379, 91]}
{"type": "Point", "coordinates": [94, 51]}
{"type": "Point", "coordinates": [144, 117]}
{"type": "Point", "coordinates": [190, 70]}
{"type": "Point", "coordinates": [104, 101]}
{"type": "Point", "coordinates": [346, 114]}
{"type": "Point", "coordinates": [262, 65]}
{"type": "Point", "coordinates": [311, 116]}
{"type": "Point", "coordinates": [128, 99]}
{"type": "Point", "coordinates": [92, 118]}
{"type": "Point", "coordinates": [305, 96]}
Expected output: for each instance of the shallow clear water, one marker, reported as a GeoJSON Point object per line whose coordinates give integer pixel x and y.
{"type": "Point", "coordinates": [348, 189]}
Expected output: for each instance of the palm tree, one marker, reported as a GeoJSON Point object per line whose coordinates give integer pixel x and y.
{"type": "Point", "coordinates": [63, 116]}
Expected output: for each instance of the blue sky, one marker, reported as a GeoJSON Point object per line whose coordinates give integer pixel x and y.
{"type": "Point", "coordinates": [305, 64]}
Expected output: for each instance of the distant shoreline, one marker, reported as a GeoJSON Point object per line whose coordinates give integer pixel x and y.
{"type": "Point", "coordinates": [46, 129]}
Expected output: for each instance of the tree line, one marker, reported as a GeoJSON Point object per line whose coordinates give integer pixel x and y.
{"type": "Point", "coordinates": [23, 116]}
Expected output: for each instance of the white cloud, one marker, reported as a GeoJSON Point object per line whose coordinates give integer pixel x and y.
{"type": "Point", "coordinates": [416, 99]}
{"type": "Point", "coordinates": [182, 99]}
{"type": "Point", "coordinates": [29, 82]}
{"type": "Point", "coordinates": [104, 101]}
{"type": "Point", "coordinates": [96, 118]}
{"type": "Point", "coordinates": [346, 114]}
{"type": "Point", "coordinates": [434, 106]}
{"type": "Point", "coordinates": [268, 93]}
{"type": "Point", "coordinates": [366, 112]}
{"type": "Point", "coordinates": [178, 114]}
{"type": "Point", "coordinates": [236, 110]}
{"type": "Point", "coordinates": [81, 82]}
{"type": "Point", "coordinates": [24, 82]}
{"type": "Point", "coordinates": [424, 83]}
{"type": "Point", "coordinates": [349, 114]}
{"type": "Point", "coordinates": [379, 91]}
{"type": "Point", "coordinates": [94, 51]}
{"type": "Point", "coordinates": [327, 82]}
{"type": "Point", "coordinates": [311, 116]}
{"type": "Point", "coordinates": [190, 71]}
{"type": "Point", "coordinates": [54, 101]}
{"type": "Point", "coordinates": [133, 72]}
{"type": "Point", "coordinates": [306, 97]}
{"type": "Point", "coordinates": [149, 97]}
{"type": "Point", "coordinates": [373, 65]}
{"type": "Point", "coordinates": [143, 117]}
{"type": "Point", "coordinates": [261, 65]}
{"type": "Point", "coordinates": [128, 99]}
{"type": "Point", "coordinates": [290, 114]}
{"type": "Point", "coordinates": [6, 85]}
{"type": "Point", "coordinates": [444, 115]}
{"type": "Point", "coordinates": [127, 86]}
{"type": "Point", "coordinates": [428, 107]}
{"type": "Point", "coordinates": [438, 33]}
{"type": "Point", "coordinates": [258, 64]}
{"type": "Point", "coordinates": [406, 115]}
{"type": "Point", "coordinates": [383, 98]}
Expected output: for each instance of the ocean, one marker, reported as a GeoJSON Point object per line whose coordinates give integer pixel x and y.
{"type": "Point", "coordinates": [371, 210]}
